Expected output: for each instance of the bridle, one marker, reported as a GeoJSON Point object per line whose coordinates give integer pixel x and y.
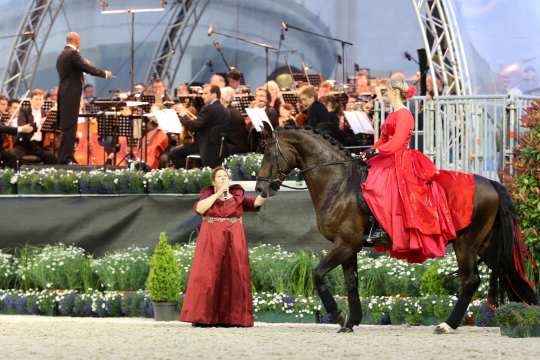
{"type": "Point", "coordinates": [276, 153]}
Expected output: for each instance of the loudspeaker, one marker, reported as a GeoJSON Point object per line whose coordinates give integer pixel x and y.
{"type": "Point", "coordinates": [424, 68]}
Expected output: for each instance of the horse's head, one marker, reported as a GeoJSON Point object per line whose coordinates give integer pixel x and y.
{"type": "Point", "coordinates": [278, 161]}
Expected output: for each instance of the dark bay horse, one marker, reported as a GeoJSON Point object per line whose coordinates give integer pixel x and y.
{"type": "Point", "coordinates": [333, 178]}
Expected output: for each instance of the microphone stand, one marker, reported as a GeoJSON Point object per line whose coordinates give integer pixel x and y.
{"type": "Point", "coordinates": [207, 64]}
{"type": "Point", "coordinates": [266, 47]}
{"type": "Point", "coordinates": [218, 48]}
{"type": "Point", "coordinates": [286, 26]}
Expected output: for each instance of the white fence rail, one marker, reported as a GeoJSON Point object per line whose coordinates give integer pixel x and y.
{"type": "Point", "coordinates": [474, 134]}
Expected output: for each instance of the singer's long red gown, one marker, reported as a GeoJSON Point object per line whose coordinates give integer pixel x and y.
{"type": "Point", "coordinates": [219, 286]}
{"type": "Point", "coordinates": [420, 208]}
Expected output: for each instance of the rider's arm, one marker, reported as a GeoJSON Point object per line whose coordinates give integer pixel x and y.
{"type": "Point", "coordinates": [404, 127]}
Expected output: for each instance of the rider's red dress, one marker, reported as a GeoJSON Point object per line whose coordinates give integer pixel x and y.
{"type": "Point", "coordinates": [420, 208]}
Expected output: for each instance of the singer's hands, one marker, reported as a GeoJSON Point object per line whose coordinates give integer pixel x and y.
{"type": "Point", "coordinates": [108, 74]}
{"type": "Point", "coordinates": [26, 129]}
{"type": "Point", "coordinates": [224, 187]}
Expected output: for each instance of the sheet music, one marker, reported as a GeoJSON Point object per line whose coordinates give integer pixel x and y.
{"type": "Point", "coordinates": [168, 121]}
{"type": "Point", "coordinates": [359, 122]}
{"type": "Point", "coordinates": [135, 103]}
{"type": "Point", "coordinates": [258, 118]}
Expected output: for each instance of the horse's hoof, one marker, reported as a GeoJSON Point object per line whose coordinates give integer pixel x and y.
{"type": "Point", "coordinates": [442, 328]}
{"type": "Point", "coordinates": [342, 319]}
{"type": "Point", "coordinates": [345, 329]}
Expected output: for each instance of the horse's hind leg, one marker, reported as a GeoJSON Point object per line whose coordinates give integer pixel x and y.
{"type": "Point", "coordinates": [350, 272]}
{"type": "Point", "coordinates": [338, 255]}
{"type": "Point", "coordinates": [470, 280]}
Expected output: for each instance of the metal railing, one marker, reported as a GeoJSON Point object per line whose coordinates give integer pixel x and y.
{"type": "Point", "coordinates": [474, 134]}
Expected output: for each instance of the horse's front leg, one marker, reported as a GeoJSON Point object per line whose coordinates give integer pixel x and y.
{"type": "Point", "coordinates": [338, 255]}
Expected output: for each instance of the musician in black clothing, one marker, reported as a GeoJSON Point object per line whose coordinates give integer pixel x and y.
{"type": "Point", "coordinates": [71, 66]}
{"type": "Point", "coordinates": [210, 128]}
{"type": "Point", "coordinates": [237, 134]}
{"type": "Point", "coordinates": [7, 158]}
{"type": "Point", "coordinates": [32, 144]}
{"type": "Point", "coordinates": [318, 117]}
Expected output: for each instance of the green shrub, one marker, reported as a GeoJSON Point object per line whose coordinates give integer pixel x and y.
{"type": "Point", "coordinates": [163, 282]}
{"type": "Point", "coordinates": [431, 282]}
{"type": "Point", "coordinates": [7, 181]}
{"type": "Point", "coordinates": [525, 185]}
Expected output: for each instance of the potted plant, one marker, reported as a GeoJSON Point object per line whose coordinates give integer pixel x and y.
{"type": "Point", "coordinates": [163, 281]}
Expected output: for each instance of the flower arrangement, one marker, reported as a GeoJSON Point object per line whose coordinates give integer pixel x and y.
{"type": "Point", "coordinates": [273, 270]}
{"type": "Point", "coordinates": [47, 181]}
{"type": "Point", "coordinates": [112, 182]}
{"type": "Point", "coordinates": [519, 320]}
{"type": "Point", "coordinates": [525, 184]}
{"type": "Point", "coordinates": [7, 182]}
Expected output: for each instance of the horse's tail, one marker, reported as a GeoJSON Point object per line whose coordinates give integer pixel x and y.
{"type": "Point", "coordinates": [507, 253]}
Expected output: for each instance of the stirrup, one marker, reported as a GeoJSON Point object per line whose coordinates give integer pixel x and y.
{"type": "Point", "coordinates": [376, 233]}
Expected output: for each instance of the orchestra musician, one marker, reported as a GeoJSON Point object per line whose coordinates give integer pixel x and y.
{"type": "Point", "coordinates": [217, 80]}
{"type": "Point", "coordinates": [71, 66]}
{"type": "Point", "coordinates": [159, 92]}
{"type": "Point", "coordinates": [317, 116]}
{"type": "Point", "coordinates": [32, 144]}
{"type": "Point", "coordinates": [7, 158]}
{"type": "Point", "coordinates": [210, 127]}
{"type": "Point", "coordinates": [237, 137]}
{"type": "Point", "coordinates": [4, 107]}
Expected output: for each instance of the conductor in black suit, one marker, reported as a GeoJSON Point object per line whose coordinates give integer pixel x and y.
{"type": "Point", "coordinates": [210, 127]}
{"type": "Point", "coordinates": [71, 66]}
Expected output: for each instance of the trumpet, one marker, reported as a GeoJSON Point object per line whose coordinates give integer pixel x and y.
{"type": "Point", "coordinates": [189, 114]}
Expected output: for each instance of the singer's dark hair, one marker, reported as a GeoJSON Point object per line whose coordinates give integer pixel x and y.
{"type": "Point", "coordinates": [216, 170]}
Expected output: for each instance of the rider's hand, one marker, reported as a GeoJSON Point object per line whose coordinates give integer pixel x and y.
{"type": "Point", "coordinates": [366, 155]}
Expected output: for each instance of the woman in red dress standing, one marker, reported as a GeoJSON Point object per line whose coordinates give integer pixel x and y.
{"type": "Point", "coordinates": [219, 287]}
{"type": "Point", "coordinates": [401, 188]}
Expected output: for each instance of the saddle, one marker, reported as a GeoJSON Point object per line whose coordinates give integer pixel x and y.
{"type": "Point", "coordinates": [376, 236]}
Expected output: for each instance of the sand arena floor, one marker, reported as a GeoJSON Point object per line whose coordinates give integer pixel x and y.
{"type": "Point", "coordinates": [40, 337]}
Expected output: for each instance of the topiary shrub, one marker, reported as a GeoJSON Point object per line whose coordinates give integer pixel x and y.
{"type": "Point", "coordinates": [163, 281]}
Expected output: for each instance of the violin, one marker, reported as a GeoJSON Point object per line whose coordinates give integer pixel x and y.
{"type": "Point", "coordinates": [301, 117]}
{"type": "Point", "coordinates": [8, 141]}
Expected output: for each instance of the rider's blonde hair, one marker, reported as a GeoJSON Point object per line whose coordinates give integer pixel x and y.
{"type": "Point", "coordinates": [400, 85]}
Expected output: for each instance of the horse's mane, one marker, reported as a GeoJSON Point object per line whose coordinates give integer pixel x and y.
{"type": "Point", "coordinates": [356, 172]}
{"type": "Point", "coordinates": [336, 145]}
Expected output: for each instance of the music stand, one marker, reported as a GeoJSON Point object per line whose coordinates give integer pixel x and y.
{"type": "Point", "coordinates": [4, 119]}
{"type": "Point", "coordinates": [290, 97]}
{"type": "Point", "coordinates": [115, 126]}
{"type": "Point", "coordinates": [241, 102]}
{"type": "Point", "coordinates": [341, 97]}
{"type": "Point", "coordinates": [299, 78]}
{"type": "Point", "coordinates": [150, 99]}
{"type": "Point", "coordinates": [50, 125]}
{"type": "Point", "coordinates": [314, 79]}
{"type": "Point", "coordinates": [47, 106]}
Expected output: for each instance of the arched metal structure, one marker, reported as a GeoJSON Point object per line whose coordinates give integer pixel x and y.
{"type": "Point", "coordinates": [185, 16]}
{"type": "Point", "coordinates": [442, 40]}
{"type": "Point", "coordinates": [28, 45]}
{"type": "Point", "coordinates": [436, 18]}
